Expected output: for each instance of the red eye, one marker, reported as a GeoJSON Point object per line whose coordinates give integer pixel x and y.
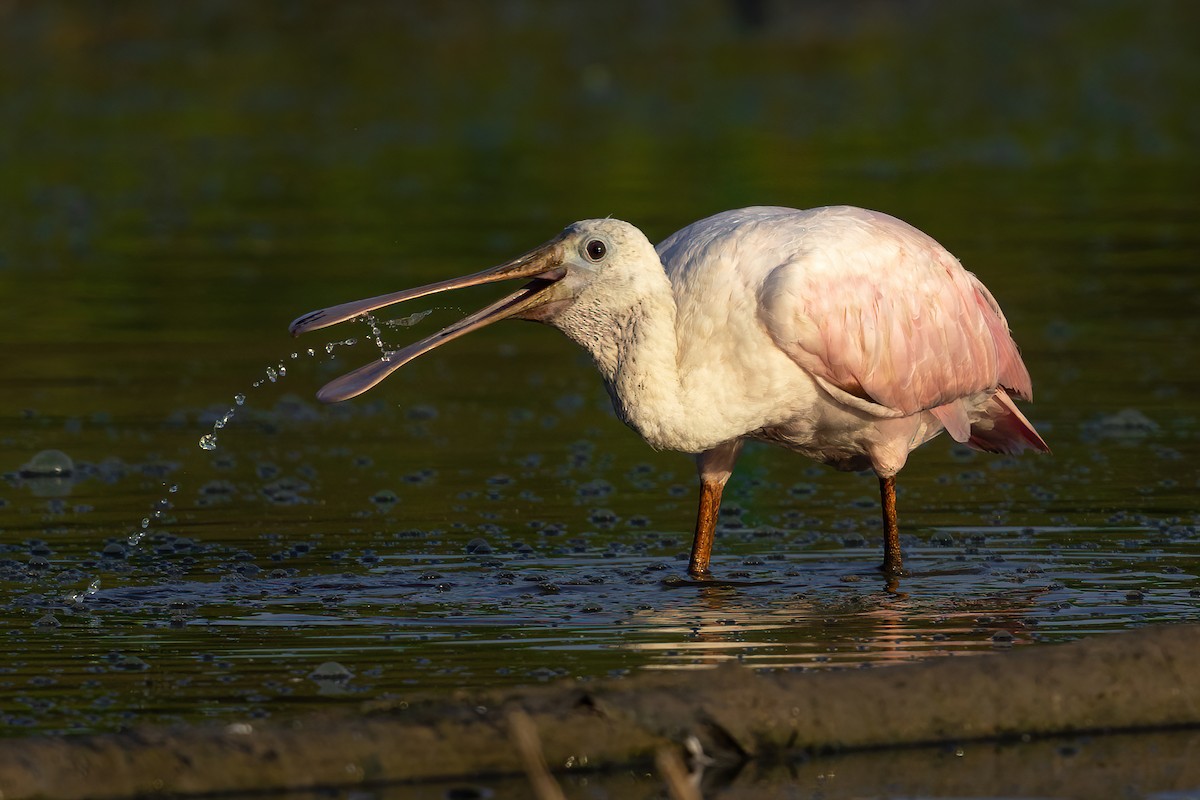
{"type": "Point", "coordinates": [596, 249]}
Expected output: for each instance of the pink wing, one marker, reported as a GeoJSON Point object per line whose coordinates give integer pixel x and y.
{"type": "Point", "coordinates": [884, 313]}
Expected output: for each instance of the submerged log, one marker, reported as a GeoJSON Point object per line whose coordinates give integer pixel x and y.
{"type": "Point", "coordinates": [1140, 680]}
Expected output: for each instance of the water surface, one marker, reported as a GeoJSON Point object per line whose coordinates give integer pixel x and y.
{"type": "Point", "coordinates": [190, 179]}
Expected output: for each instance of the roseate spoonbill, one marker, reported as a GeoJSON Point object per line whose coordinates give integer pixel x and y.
{"type": "Point", "coordinates": [842, 334]}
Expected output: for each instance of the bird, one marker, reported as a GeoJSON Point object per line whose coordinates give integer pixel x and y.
{"type": "Point", "coordinates": [840, 333]}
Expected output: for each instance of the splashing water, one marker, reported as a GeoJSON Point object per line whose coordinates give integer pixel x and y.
{"type": "Point", "coordinates": [376, 327]}
{"type": "Point", "coordinates": [410, 320]}
{"type": "Point", "coordinates": [76, 598]}
{"type": "Point", "coordinates": [376, 334]}
{"type": "Point", "coordinates": [329, 346]}
{"type": "Point", "coordinates": [207, 442]}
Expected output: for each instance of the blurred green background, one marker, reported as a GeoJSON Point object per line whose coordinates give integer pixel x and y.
{"type": "Point", "coordinates": [160, 159]}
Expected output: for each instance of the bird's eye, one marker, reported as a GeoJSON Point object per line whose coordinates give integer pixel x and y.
{"type": "Point", "coordinates": [596, 249]}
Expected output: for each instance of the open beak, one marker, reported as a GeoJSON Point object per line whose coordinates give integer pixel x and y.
{"type": "Point", "coordinates": [543, 264]}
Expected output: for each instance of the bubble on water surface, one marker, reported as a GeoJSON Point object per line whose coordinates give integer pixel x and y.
{"type": "Point", "coordinates": [130, 663]}
{"type": "Point", "coordinates": [48, 464]}
{"type": "Point", "coordinates": [114, 550]}
{"type": "Point", "coordinates": [331, 671]}
{"type": "Point", "coordinates": [1128, 423]}
{"type": "Point", "coordinates": [50, 473]}
{"type": "Point", "coordinates": [479, 547]}
{"type": "Point", "coordinates": [941, 539]}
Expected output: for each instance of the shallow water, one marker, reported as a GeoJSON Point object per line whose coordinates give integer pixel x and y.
{"type": "Point", "coordinates": [192, 179]}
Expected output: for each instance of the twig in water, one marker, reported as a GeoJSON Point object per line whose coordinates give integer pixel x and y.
{"type": "Point", "coordinates": [673, 771]}
{"type": "Point", "coordinates": [524, 734]}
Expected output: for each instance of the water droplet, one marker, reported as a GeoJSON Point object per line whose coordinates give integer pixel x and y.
{"type": "Point", "coordinates": [173, 488]}
{"type": "Point", "coordinates": [208, 442]}
{"type": "Point", "coordinates": [376, 334]}
{"type": "Point", "coordinates": [145, 522]}
{"type": "Point", "coordinates": [272, 375]}
{"type": "Point", "coordinates": [239, 398]}
{"type": "Point", "coordinates": [78, 597]}
{"type": "Point", "coordinates": [344, 343]}
{"type": "Point", "coordinates": [282, 370]}
{"type": "Point", "coordinates": [134, 538]}
{"type": "Point", "coordinates": [295, 355]}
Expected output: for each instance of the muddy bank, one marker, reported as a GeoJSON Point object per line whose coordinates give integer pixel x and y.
{"type": "Point", "coordinates": [1144, 679]}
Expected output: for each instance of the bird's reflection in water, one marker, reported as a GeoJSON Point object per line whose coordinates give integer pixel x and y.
{"type": "Point", "coordinates": [711, 622]}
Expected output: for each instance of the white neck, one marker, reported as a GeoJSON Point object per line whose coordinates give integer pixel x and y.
{"type": "Point", "coordinates": [636, 350]}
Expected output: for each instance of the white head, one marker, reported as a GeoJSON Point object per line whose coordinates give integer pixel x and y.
{"type": "Point", "coordinates": [593, 265]}
{"type": "Point", "coordinates": [606, 263]}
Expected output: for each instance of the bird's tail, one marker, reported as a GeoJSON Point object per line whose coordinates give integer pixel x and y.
{"type": "Point", "coordinates": [1004, 429]}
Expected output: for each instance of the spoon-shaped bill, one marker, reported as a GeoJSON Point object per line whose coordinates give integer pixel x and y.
{"type": "Point", "coordinates": [544, 259]}
{"type": "Point", "coordinates": [365, 377]}
{"type": "Point", "coordinates": [543, 264]}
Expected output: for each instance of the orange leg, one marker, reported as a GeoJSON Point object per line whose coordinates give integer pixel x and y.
{"type": "Point", "coordinates": [891, 529]}
{"type": "Point", "coordinates": [706, 525]}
